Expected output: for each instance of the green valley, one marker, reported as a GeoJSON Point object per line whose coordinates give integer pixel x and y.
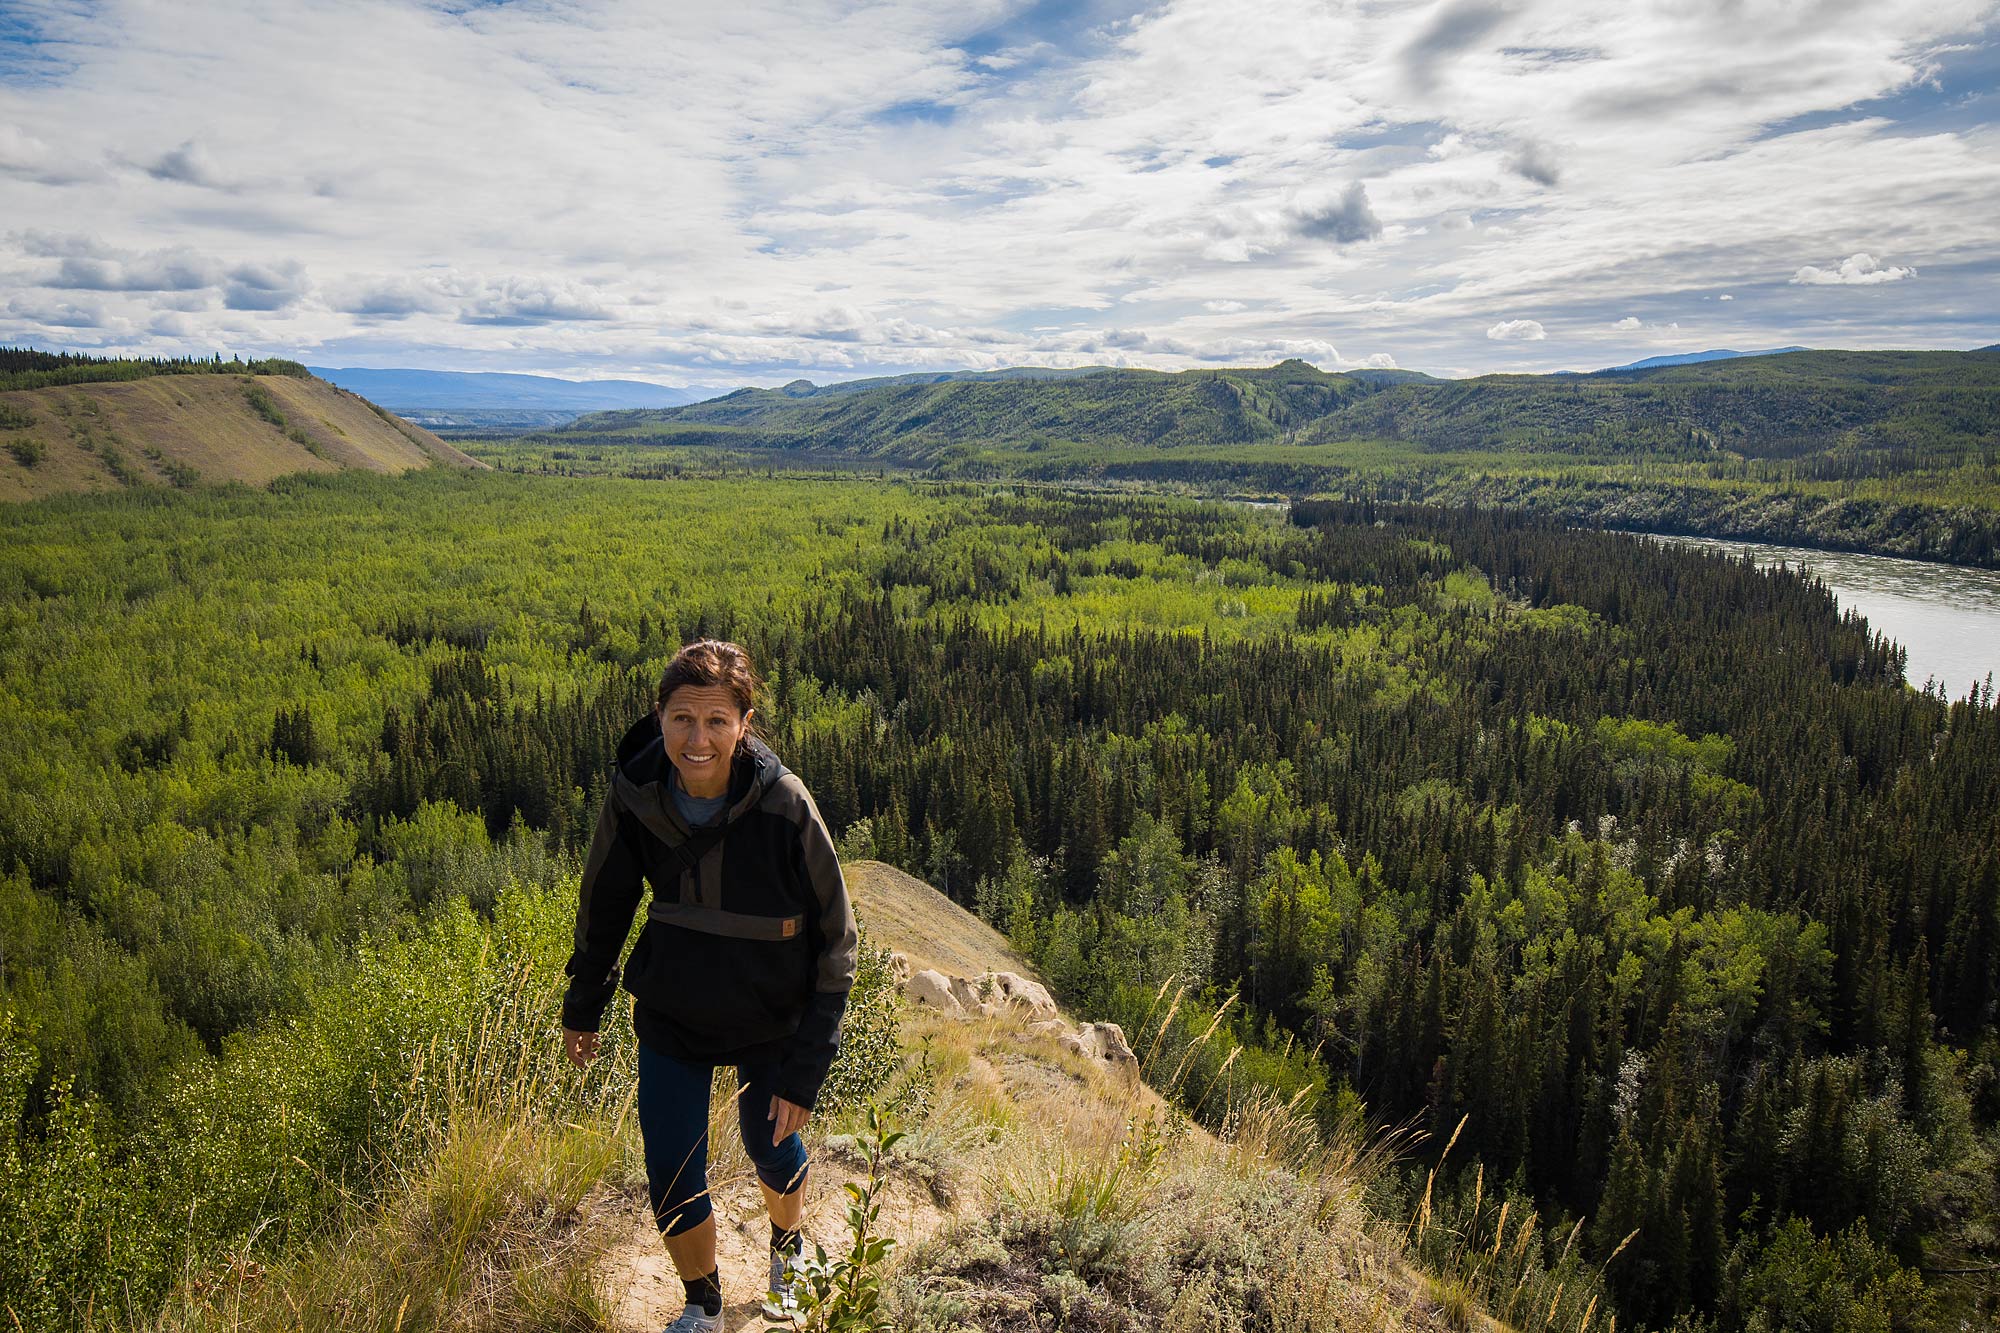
{"type": "Point", "coordinates": [1890, 452]}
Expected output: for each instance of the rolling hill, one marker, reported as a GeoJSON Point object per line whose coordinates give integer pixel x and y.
{"type": "Point", "coordinates": [921, 418]}
{"type": "Point", "coordinates": [1781, 404]}
{"type": "Point", "coordinates": [189, 429]}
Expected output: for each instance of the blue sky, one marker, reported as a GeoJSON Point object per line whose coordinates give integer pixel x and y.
{"type": "Point", "coordinates": [718, 195]}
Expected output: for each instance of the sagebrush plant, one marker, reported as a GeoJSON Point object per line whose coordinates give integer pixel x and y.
{"type": "Point", "coordinates": [843, 1293]}
{"type": "Point", "coordinates": [1079, 1201]}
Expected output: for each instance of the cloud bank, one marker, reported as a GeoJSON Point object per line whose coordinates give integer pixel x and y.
{"type": "Point", "coordinates": [710, 195]}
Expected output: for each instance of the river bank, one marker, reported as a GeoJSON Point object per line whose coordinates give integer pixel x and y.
{"type": "Point", "coordinates": [1946, 617]}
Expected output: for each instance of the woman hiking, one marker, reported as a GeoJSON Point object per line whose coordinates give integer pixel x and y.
{"type": "Point", "coordinates": [746, 957]}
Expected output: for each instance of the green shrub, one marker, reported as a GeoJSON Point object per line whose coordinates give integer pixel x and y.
{"type": "Point", "coordinates": [1802, 1283]}
{"type": "Point", "coordinates": [870, 1053]}
{"type": "Point", "coordinates": [263, 404]}
{"type": "Point", "coordinates": [62, 1193]}
{"type": "Point", "coordinates": [120, 467]}
{"type": "Point", "coordinates": [27, 452]}
{"type": "Point", "coordinates": [248, 1154]}
{"type": "Point", "coordinates": [843, 1294]}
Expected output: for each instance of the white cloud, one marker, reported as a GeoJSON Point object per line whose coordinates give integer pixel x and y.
{"type": "Point", "coordinates": [1629, 322]}
{"type": "Point", "coordinates": [177, 270]}
{"type": "Point", "coordinates": [1857, 270]}
{"type": "Point", "coordinates": [59, 314]}
{"type": "Point", "coordinates": [1224, 307]}
{"type": "Point", "coordinates": [523, 301]}
{"type": "Point", "coordinates": [389, 298]}
{"type": "Point", "coordinates": [1517, 330]}
{"type": "Point", "coordinates": [1725, 297]}
{"type": "Point", "coordinates": [1536, 162]}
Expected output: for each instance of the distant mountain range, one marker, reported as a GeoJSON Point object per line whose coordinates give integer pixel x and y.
{"type": "Point", "coordinates": [471, 402]}
{"type": "Point", "coordinates": [807, 389]}
{"type": "Point", "coordinates": [463, 401]}
{"type": "Point", "coordinates": [1695, 358]}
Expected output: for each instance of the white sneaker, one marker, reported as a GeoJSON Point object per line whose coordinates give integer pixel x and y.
{"type": "Point", "coordinates": [781, 1302]}
{"type": "Point", "coordinates": [696, 1320]}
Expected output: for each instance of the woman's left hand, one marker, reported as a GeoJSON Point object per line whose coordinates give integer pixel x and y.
{"type": "Point", "coordinates": [787, 1118]}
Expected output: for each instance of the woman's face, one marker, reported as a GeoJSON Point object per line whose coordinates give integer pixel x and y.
{"type": "Point", "coordinates": [702, 727]}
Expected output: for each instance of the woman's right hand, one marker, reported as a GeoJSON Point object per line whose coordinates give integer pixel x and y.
{"type": "Point", "coordinates": [580, 1047]}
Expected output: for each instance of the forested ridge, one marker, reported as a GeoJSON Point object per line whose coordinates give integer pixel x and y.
{"type": "Point", "coordinates": [1892, 452]}
{"type": "Point", "coordinates": [26, 368]}
{"type": "Point", "coordinates": [1868, 413]}
{"type": "Point", "coordinates": [1636, 874]}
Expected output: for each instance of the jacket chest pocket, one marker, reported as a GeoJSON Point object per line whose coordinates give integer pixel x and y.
{"type": "Point", "coordinates": [753, 883]}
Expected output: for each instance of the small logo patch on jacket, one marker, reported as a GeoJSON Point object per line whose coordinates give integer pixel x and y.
{"type": "Point", "coordinates": [791, 926]}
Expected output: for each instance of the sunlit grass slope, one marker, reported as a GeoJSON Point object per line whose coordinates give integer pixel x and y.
{"type": "Point", "coordinates": [186, 430]}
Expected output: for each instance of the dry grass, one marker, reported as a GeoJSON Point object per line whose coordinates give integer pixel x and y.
{"type": "Point", "coordinates": [484, 1232]}
{"type": "Point", "coordinates": [901, 912]}
{"type": "Point", "coordinates": [1093, 1205]}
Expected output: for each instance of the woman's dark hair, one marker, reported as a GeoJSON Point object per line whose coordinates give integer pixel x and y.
{"type": "Point", "coordinates": [707, 662]}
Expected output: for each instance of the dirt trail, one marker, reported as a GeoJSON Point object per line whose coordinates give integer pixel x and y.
{"type": "Point", "coordinates": [645, 1292]}
{"type": "Point", "coordinates": [1001, 1063]}
{"type": "Point", "coordinates": [636, 1276]}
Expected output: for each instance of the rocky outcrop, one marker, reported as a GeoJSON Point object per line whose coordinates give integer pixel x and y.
{"type": "Point", "coordinates": [998, 994]}
{"type": "Point", "coordinates": [932, 988]}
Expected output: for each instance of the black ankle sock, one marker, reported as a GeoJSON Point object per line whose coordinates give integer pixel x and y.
{"type": "Point", "coordinates": [786, 1242]}
{"type": "Point", "coordinates": [705, 1292]}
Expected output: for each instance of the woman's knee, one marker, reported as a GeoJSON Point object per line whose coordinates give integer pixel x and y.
{"type": "Point", "coordinates": [780, 1165]}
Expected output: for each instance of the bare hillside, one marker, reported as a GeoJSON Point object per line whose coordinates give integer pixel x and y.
{"type": "Point", "coordinates": [901, 912]}
{"type": "Point", "coordinates": [186, 430]}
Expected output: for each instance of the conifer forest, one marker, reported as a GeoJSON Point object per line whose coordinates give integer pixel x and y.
{"type": "Point", "coordinates": [1628, 886]}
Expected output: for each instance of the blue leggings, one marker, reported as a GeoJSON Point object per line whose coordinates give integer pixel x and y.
{"type": "Point", "coordinates": [673, 1121]}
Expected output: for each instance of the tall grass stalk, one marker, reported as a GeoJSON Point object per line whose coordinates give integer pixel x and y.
{"type": "Point", "coordinates": [1496, 1253]}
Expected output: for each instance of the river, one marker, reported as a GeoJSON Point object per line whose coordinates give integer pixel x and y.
{"type": "Point", "coordinates": [1947, 617]}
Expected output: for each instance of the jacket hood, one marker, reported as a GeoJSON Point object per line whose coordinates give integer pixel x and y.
{"type": "Point", "coordinates": [642, 761]}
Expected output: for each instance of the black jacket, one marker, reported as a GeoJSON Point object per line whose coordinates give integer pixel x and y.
{"type": "Point", "coordinates": [748, 953]}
